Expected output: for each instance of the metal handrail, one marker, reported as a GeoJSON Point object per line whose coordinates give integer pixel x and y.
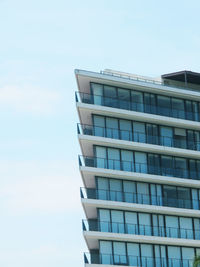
{"type": "Point", "coordinates": [140, 229]}
{"type": "Point", "coordinates": [130, 197]}
{"type": "Point", "coordinates": [117, 102]}
{"type": "Point", "coordinates": [131, 260]}
{"type": "Point", "coordinates": [130, 166]}
{"type": "Point", "coordinates": [191, 87]}
{"type": "Point", "coordinates": [135, 136]}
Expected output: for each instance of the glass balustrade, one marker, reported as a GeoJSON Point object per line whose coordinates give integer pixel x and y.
{"type": "Point", "coordinates": [111, 195]}
{"type": "Point", "coordinates": [140, 229]}
{"type": "Point", "coordinates": [136, 136]}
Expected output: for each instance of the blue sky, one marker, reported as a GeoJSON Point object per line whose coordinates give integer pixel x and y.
{"type": "Point", "coordinates": [41, 44]}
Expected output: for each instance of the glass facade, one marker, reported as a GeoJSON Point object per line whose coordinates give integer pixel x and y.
{"type": "Point", "coordinates": [143, 132]}
{"type": "Point", "coordinates": [140, 223]}
{"type": "Point", "coordinates": [143, 102]}
{"type": "Point", "coordinates": [147, 193]}
{"type": "Point", "coordinates": [145, 255]}
{"type": "Point", "coordinates": [134, 161]}
{"type": "Point", "coordinates": [174, 226]}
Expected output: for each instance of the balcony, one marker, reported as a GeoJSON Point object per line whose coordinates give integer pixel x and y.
{"type": "Point", "coordinates": [130, 166]}
{"type": "Point", "coordinates": [120, 103]}
{"type": "Point", "coordinates": [101, 194]}
{"type": "Point", "coordinates": [136, 261]}
{"type": "Point", "coordinates": [138, 229]}
{"type": "Point", "coordinates": [135, 136]}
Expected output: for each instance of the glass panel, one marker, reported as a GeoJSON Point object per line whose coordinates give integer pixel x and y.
{"type": "Point", "coordinates": [99, 125]}
{"type": "Point", "coordinates": [117, 218]}
{"type": "Point", "coordinates": [163, 256]}
{"type": "Point", "coordinates": [193, 169]}
{"type": "Point", "coordinates": [153, 194]}
{"type": "Point", "coordinates": [140, 162]}
{"type": "Point", "coordinates": [164, 106]}
{"type": "Point", "coordinates": [129, 192]}
{"type": "Point", "coordinates": [189, 113]}
{"type": "Point", "coordinates": [116, 190]}
{"type": "Point", "coordinates": [166, 135]}
{"type": "Point", "coordinates": [174, 256]}
{"type": "Point", "coordinates": [184, 197]}
{"type": "Point", "coordinates": [161, 225]}
{"type": "Point", "coordinates": [198, 169]}
{"type": "Point", "coordinates": [101, 161]}
{"type": "Point", "coordinates": [160, 256]}
{"type": "Point", "coordinates": [143, 193]}
{"type": "Point", "coordinates": [195, 201]}
{"type": "Point", "coordinates": [159, 195]}
{"type": "Point", "coordinates": [170, 196]}
{"type": "Point", "coordinates": [144, 224]}
{"type": "Point", "coordinates": [133, 254]}
{"type": "Point", "coordinates": [152, 134]}
{"type": "Point", "coordinates": [167, 165]}
{"type": "Point", "coordinates": [147, 255]}
{"type": "Point", "coordinates": [139, 132]}
{"type": "Point", "coordinates": [104, 220]}
{"type": "Point", "coordinates": [127, 160]}
{"type": "Point", "coordinates": [110, 96]}
{"type": "Point", "coordinates": [195, 110]}
{"type": "Point", "coordinates": [180, 138]}
{"type": "Point", "coordinates": [197, 228]}
{"type": "Point", "coordinates": [158, 261]}
{"type": "Point", "coordinates": [112, 130]}
{"type": "Point", "coordinates": [191, 140]}
{"type": "Point", "coordinates": [180, 167]}
{"type": "Point", "coordinates": [137, 101]}
{"type": "Point", "coordinates": [150, 103]}
{"type": "Point", "coordinates": [178, 108]}
{"type": "Point", "coordinates": [126, 130]}
{"type": "Point", "coordinates": [197, 140]}
{"type": "Point", "coordinates": [97, 91]}
{"type": "Point", "coordinates": [153, 164]}
{"type": "Point", "coordinates": [188, 256]}
{"type": "Point", "coordinates": [113, 159]}
{"type": "Point", "coordinates": [106, 252]}
{"type": "Point", "coordinates": [171, 226]}
{"type": "Point", "coordinates": [186, 228]}
{"type": "Point", "coordinates": [103, 187]}
{"type": "Point", "coordinates": [155, 225]}
{"type": "Point", "coordinates": [131, 222]}
{"type": "Point", "coordinates": [124, 98]}
{"type": "Point", "coordinates": [119, 253]}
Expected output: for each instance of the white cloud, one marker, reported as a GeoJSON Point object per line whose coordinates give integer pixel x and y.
{"type": "Point", "coordinates": [29, 99]}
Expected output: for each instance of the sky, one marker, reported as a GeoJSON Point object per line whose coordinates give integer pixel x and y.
{"type": "Point", "coordinates": [41, 43]}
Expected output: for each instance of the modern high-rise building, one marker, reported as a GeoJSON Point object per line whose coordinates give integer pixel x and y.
{"type": "Point", "coordinates": [140, 165]}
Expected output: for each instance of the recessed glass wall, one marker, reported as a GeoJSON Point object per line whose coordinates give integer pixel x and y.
{"type": "Point", "coordinates": [146, 255]}
{"type": "Point", "coordinates": [147, 193]}
{"type": "Point", "coordinates": [144, 132]}
{"type": "Point", "coordinates": [144, 102]}
{"type": "Point", "coordinates": [134, 161]}
{"type": "Point", "coordinates": [140, 223]}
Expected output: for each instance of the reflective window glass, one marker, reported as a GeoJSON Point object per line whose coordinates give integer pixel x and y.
{"type": "Point", "coordinates": [99, 125]}
{"type": "Point", "coordinates": [112, 130]}
{"type": "Point", "coordinates": [126, 130]}
{"type": "Point", "coordinates": [137, 101]}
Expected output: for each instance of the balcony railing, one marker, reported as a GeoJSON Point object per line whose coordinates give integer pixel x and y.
{"type": "Point", "coordinates": [102, 194]}
{"type": "Point", "coordinates": [139, 229]}
{"type": "Point", "coordinates": [136, 136]}
{"type": "Point", "coordinates": [116, 102]}
{"type": "Point", "coordinates": [137, 167]}
{"type": "Point", "coordinates": [136, 261]}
